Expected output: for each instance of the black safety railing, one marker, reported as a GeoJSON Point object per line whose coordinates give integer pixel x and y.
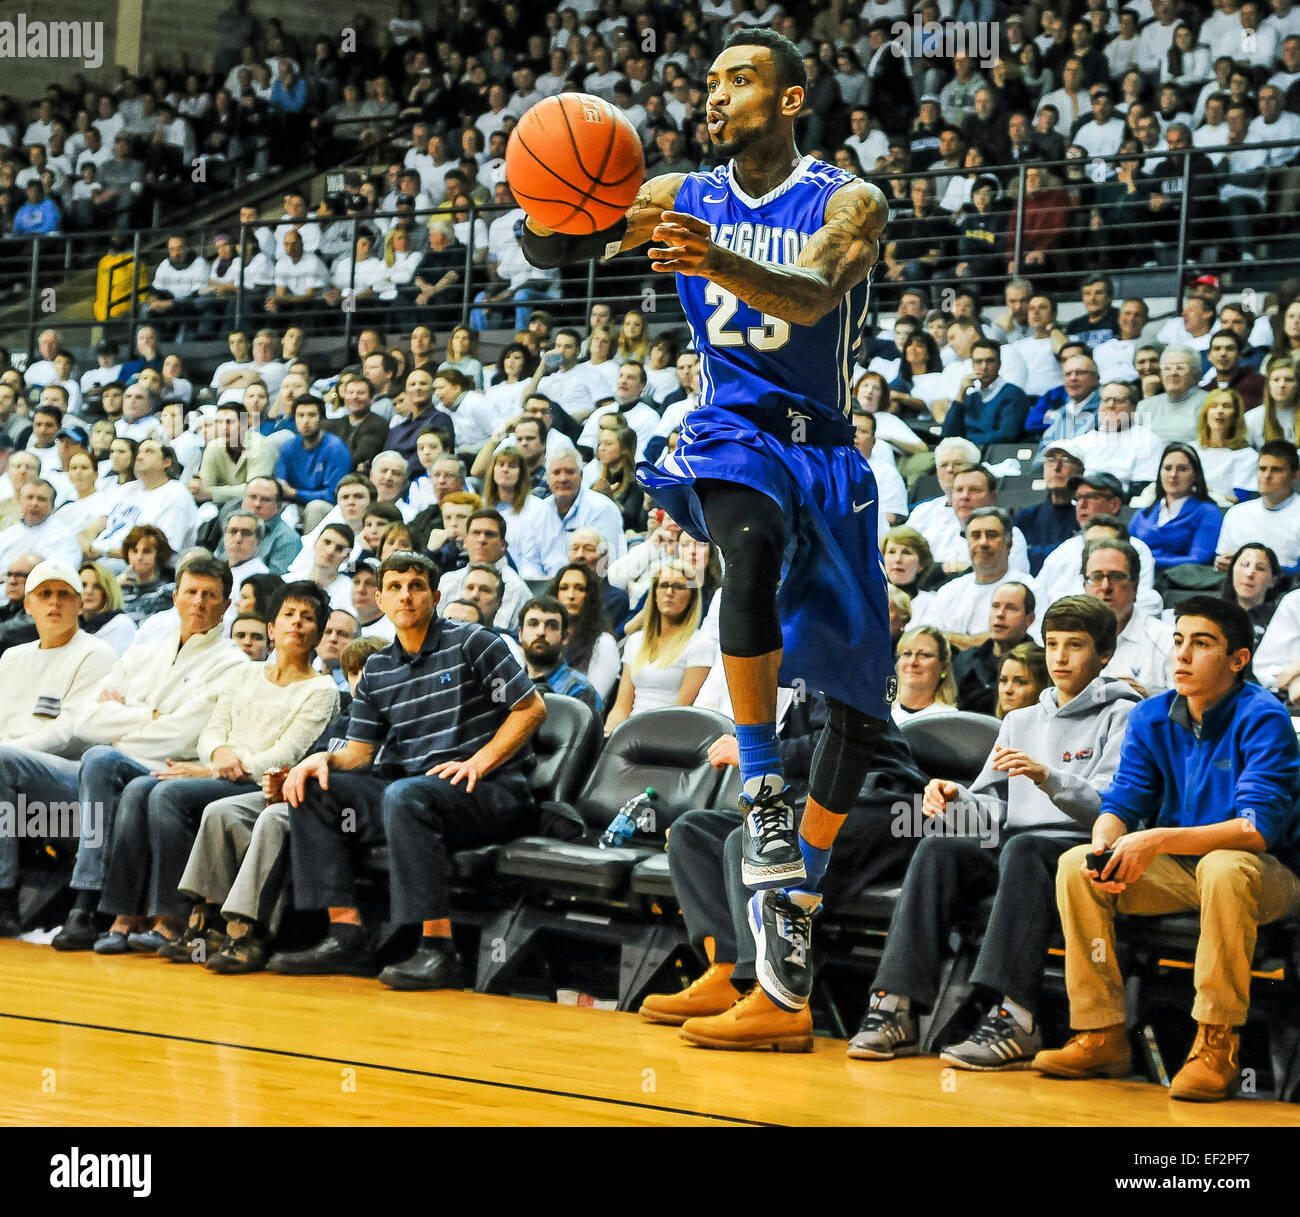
{"type": "Point", "coordinates": [1059, 222]}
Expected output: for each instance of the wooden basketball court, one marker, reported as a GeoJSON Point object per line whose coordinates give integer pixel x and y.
{"type": "Point", "coordinates": [138, 1041]}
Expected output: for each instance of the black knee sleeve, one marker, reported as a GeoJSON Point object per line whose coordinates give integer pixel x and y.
{"type": "Point", "coordinates": [749, 530]}
{"type": "Point", "coordinates": [845, 751]}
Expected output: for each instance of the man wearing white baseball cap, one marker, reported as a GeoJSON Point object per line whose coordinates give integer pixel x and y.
{"type": "Point", "coordinates": [41, 680]}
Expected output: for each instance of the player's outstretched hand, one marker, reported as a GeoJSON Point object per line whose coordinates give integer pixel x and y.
{"type": "Point", "coordinates": [685, 244]}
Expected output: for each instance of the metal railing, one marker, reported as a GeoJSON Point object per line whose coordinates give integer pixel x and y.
{"type": "Point", "coordinates": [1093, 223]}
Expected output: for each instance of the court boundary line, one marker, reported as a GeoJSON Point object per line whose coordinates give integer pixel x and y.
{"type": "Point", "coordinates": [399, 1069]}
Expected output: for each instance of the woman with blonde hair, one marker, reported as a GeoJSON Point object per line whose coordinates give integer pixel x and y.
{"type": "Point", "coordinates": [1022, 677]}
{"type": "Point", "coordinates": [665, 663]}
{"type": "Point", "coordinates": [1274, 417]}
{"type": "Point", "coordinates": [925, 680]}
{"type": "Point", "coordinates": [1227, 460]}
{"type": "Point", "coordinates": [102, 611]}
{"type": "Point", "coordinates": [633, 340]}
{"type": "Point", "coordinates": [462, 354]}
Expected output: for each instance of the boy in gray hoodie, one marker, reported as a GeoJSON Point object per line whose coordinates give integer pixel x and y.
{"type": "Point", "coordinates": [1039, 792]}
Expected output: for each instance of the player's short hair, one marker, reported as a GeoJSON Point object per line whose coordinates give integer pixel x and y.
{"type": "Point", "coordinates": [786, 56]}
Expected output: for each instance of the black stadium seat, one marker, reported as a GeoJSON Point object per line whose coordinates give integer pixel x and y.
{"type": "Point", "coordinates": [952, 746]}
{"type": "Point", "coordinates": [575, 889]}
{"type": "Point", "coordinates": [666, 750]}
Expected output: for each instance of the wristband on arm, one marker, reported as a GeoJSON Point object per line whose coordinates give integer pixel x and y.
{"type": "Point", "coordinates": [561, 249]}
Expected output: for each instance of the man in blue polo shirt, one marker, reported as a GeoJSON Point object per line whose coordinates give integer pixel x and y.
{"type": "Point", "coordinates": [437, 739]}
{"type": "Point", "coordinates": [1201, 814]}
{"type": "Point", "coordinates": [311, 464]}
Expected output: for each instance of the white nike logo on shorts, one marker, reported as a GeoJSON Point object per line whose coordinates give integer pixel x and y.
{"type": "Point", "coordinates": [857, 507]}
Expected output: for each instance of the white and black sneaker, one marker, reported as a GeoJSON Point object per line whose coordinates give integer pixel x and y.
{"type": "Point", "coordinates": [887, 1031]}
{"type": "Point", "coordinates": [999, 1042]}
{"type": "Point", "coordinates": [781, 923]}
{"type": "Point", "coordinates": [770, 856]}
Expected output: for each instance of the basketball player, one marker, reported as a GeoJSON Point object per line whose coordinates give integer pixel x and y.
{"type": "Point", "coordinates": [773, 254]}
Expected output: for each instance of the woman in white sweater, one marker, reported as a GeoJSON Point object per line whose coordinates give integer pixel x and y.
{"type": "Point", "coordinates": [266, 717]}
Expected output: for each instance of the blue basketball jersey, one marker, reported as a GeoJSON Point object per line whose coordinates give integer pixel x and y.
{"type": "Point", "coordinates": [748, 358]}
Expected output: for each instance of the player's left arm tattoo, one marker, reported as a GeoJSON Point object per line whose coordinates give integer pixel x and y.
{"type": "Point", "coordinates": [838, 257]}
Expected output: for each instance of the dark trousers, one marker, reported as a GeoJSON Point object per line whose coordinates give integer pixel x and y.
{"type": "Point", "coordinates": [424, 820]}
{"type": "Point", "coordinates": [952, 874]}
{"type": "Point", "coordinates": [704, 861]}
{"type": "Point", "coordinates": [156, 825]}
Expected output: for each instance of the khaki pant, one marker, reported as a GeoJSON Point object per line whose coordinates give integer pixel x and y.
{"type": "Point", "coordinates": [1235, 891]}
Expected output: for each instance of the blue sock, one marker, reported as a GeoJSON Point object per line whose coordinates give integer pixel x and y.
{"type": "Point", "coordinates": [759, 753]}
{"type": "Point", "coordinates": [815, 862]}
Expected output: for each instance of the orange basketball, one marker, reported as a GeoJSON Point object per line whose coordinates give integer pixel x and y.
{"type": "Point", "coordinates": [574, 163]}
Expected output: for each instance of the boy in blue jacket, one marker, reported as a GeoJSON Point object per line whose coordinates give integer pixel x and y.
{"type": "Point", "coordinates": [1201, 814]}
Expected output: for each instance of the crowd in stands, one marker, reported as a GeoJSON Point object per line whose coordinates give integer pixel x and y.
{"type": "Point", "coordinates": [218, 587]}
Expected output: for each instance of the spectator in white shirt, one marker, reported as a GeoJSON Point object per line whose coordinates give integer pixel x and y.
{"type": "Point", "coordinates": [961, 608]}
{"type": "Point", "coordinates": [153, 498]}
{"type": "Point", "coordinates": [666, 663]}
{"type": "Point", "coordinates": [1038, 352]}
{"type": "Point", "coordinates": [176, 284]}
{"type": "Point", "coordinates": [41, 372]}
{"type": "Point", "coordinates": [571, 507]}
{"type": "Point", "coordinates": [1102, 134]}
{"type": "Point", "coordinates": [1114, 357]}
{"type": "Point", "coordinates": [1111, 571]}
{"type": "Point", "coordinates": [301, 278]}
{"type": "Point", "coordinates": [629, 389]}
{"type": "Point", "coordinates": [1274, 517]}
{"type": "Point", "coordinates": [37, 530]}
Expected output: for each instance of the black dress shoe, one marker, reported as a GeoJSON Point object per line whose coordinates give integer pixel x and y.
{"type": "Point", "coordinates": [78, 933]}
{"type": "Point", "coordinates": [431, 967]}
{"type": "Point", "coordinates": [328, 958]}
{"type": "Point", "coordinates": [238, 956]}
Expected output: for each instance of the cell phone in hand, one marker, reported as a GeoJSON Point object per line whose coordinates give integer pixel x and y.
{"type": "Point", "coordinates": [1099, 860]}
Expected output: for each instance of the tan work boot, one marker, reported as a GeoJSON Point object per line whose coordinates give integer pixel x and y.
{"type": "Point", "coordinates": [1212, 1070]}
{"type": "Point", "coordinates": [712, 993]}
{"type": "Point", "coordinates": [753, 1022]}
{"type": "Point", "coordinates": [1101, 1053]}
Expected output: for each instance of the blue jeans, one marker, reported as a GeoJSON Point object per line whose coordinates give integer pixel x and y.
{"type": "Point", "coordinates": [104, 775]}
{"type": "Point", "coordinates": [156, 824]}
{"type": "Point", "coordinates": [39, 777]}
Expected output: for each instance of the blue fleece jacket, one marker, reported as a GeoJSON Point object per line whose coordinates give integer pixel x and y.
{"type": "Point", "coordinates": [1246, 764]}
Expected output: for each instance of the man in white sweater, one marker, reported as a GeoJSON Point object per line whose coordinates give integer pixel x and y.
{"type": "Point", "coordinates": [266, 718]}
{"type": "Point", "coordinates": [42, 680]}
{"type": "Point", "coordinates": [148, 710]}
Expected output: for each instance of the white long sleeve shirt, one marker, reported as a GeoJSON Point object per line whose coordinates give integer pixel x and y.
{"type": "Point", "coordinates": [268, 726]}
{"type": "Point", "coordinates": [179, 682]}
{"type": "Point", "coordinates": [1280, 646]}
{"type": "Point", "coordinates": [54, 680]}
{"type": "Point", "coordinates": [182, 282]}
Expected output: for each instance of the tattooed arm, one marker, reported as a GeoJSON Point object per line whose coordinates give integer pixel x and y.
{"type": "Point", "coordinates": [839, 256]}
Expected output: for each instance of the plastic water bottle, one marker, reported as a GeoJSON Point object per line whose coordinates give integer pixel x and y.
{"type": "Point", "coordinates": [622, 828]}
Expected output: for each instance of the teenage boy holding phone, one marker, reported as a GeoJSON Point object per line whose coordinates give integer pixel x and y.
{"type": "Point", "coordinates": [1201, 814]}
